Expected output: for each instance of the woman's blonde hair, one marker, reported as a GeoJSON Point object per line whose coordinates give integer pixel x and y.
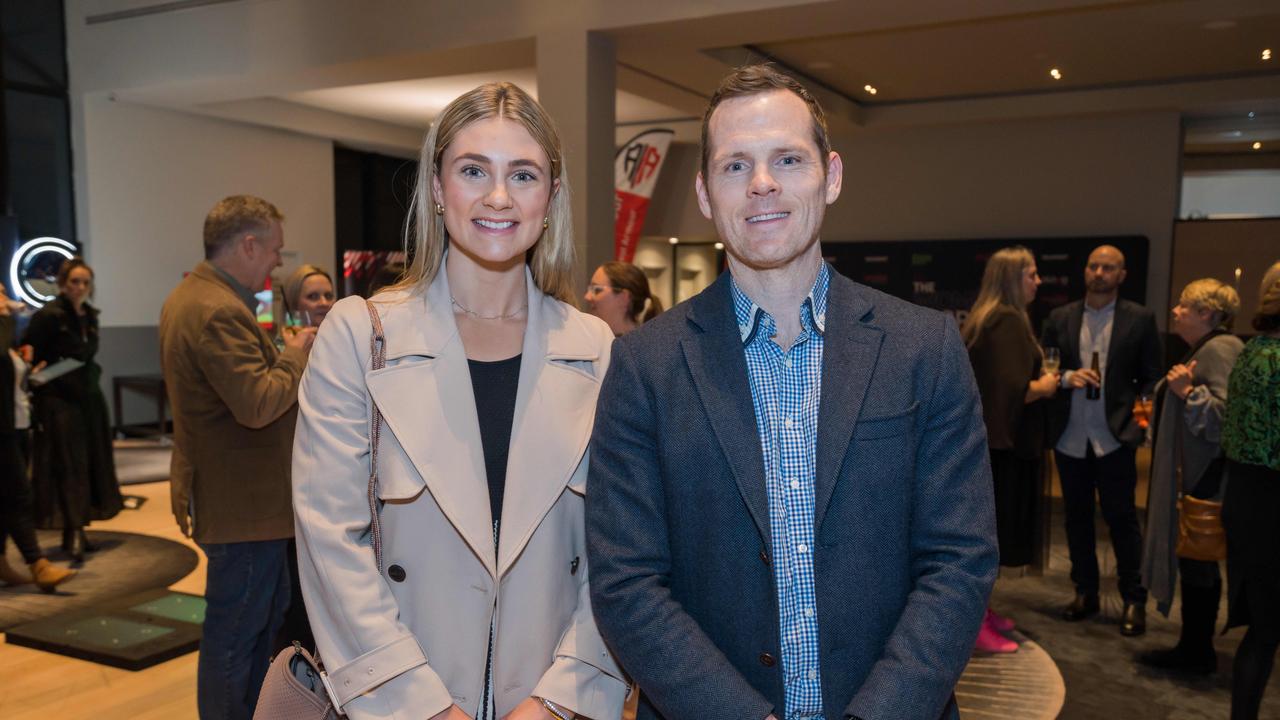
{"type": "Point", "coordinates": [1001, 288]}
{"type": "Point", "coordinates": [1215, 296]}
{"type": "Point", "coordinates": [552, 258]}
{"type": "Point", "coordinates": [293, 285]}
{"type": "Point", "coordinates": [1267, 319]}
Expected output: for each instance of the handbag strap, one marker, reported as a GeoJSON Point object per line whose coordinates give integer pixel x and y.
{"type": "Point", "coordinates": [377, 360]}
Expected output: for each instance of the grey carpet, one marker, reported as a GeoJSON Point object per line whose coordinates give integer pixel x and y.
{"type": "Point", "coordinates": [1098, 666]}
{"type": "Point", "coordinates": [126, 564]}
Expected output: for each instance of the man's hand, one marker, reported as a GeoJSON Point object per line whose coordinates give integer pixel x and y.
{"type": "Point", "coordinates": [1083, 378]}
{"type": "Point", "coordinates": [300, 338]}
{"type": "Point", "coordinates": [529, 709]}
{"type": "Point", "coordinates": [453, 712]}
{"type": "Point", "coordinates": [1179, 379]}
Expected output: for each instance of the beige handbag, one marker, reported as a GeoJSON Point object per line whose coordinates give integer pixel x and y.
{"type": "Point", "coordinates": [296, 686]}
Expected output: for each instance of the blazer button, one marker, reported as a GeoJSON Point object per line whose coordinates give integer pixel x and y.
{"type": "Point", "coordinates": [764, 557]}
{"type": "Point", "coordinates": [573, 566]}
{"type": "Point", "coordinates": [767, 660]}
{"type": "Point", "coordinates": [395, 572]}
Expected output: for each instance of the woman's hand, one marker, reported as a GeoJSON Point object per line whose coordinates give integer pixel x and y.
{"type": "Point", "coordinates": [1179, 379]}
{"type": "Point", "coordinates": [529, 709]}
{"type": "Point", "coordinates": [453, 712]}
{"type": "Point", "coordinates": [1045, 387]}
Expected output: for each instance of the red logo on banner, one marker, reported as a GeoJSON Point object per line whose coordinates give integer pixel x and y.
{"type": "Point", "coordinates": [636, 168]}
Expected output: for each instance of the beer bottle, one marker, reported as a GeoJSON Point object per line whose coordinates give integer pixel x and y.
{"type": "Point", "coordinates": [1094, 392]}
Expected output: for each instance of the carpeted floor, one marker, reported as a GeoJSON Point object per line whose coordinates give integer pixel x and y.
{"type": "Point", "coordinates": [126, 563]}
{"type": "Point", "coordinates": [1103, 680]}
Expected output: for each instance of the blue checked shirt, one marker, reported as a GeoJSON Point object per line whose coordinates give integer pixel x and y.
{"type": "Point", "coordinates": [785, 389]}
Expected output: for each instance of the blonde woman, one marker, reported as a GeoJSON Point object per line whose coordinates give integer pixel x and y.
{"type": "Point", "coordinates": [1187, 460]}
{"type": "Point", "coordinates": [1007, 365]}
{"type": "Point", "coordinates": [488, 397]}
{"type": "Point", "coordinates": [309, 289]}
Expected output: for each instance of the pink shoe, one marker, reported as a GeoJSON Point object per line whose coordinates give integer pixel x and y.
{"type": "Point", "coordinates": [990, 641]}
{"type": "Point", "coordinates": [999, 622]}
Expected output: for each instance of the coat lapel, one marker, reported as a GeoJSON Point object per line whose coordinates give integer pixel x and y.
{"type": "Point", "coordinates": [426, 400]}
{"type": "Point", "coordinates": [850, 349]}
{"type": "Point", "coordinates": [555, 409]}
{"type": "Point", "coordinates": [1120, 325]}
{"type": "Point", "coordinates": [719, 371]}
{"type": "Point", "coordinates": [1071, 343]}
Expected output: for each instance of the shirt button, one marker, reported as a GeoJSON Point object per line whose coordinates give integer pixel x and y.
{"type": "Point", "coordinates": [813, 674]}
{"type": "Point", "coordinates": [795, 484]}
{"type": "Point", "coordinates": [802, 548]}
{"type": "Point", "coordinates": [787, 361]}
{"type": "Point", "coordinates": [808, 612]}
{"type": "Point", "coordinates": [789, 422]}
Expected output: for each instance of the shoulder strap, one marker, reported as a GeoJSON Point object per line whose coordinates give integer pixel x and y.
{"type": "Point", "coordinates": [377, 361]}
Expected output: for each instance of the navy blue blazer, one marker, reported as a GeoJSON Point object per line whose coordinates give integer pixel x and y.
{"type": "Point", "coordinates": [678, 523]}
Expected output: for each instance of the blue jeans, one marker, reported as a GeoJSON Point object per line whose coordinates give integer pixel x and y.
{"type": "Point", "coordinates": [247, 593]}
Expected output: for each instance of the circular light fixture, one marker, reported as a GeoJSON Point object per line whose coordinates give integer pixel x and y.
{"type": "Point", "coordinates": [1257, 146]}
{"type": "Point", "coordinates": [674, 241]}
{"type": "Point", "coordinates": [26, 256]}
{"type": "Point", "coordinates": [871, 90]}
{"type": "Point", "coordinates": [1055, 73]}
{"type": "Point", "coordinates": [719, 246]}
{"type": "Point", "coordinates": [1266, 54]}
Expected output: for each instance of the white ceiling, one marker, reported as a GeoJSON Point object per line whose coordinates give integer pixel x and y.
{"type": "Point", "coordinates": [414, 103]}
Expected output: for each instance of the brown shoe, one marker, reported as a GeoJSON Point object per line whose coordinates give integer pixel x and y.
{"type": "Point", "coordinates": [48, 576]}
{"type": "Point", "coordinates": [9, 576]}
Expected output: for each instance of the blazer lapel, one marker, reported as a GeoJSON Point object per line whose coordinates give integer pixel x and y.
{"type": "Point", "coordinates": [719, 371]}
{"type": "Point", "coordinates": [1071, 349]}
{"type": "Point", "coordinates": [427, 403]}
{"type": "Point", "coordinates": [849, 353]}
{"type": "Point", "coordinates": [555, 409]}
{"type": "Point", "coordinates": [1120, 324]}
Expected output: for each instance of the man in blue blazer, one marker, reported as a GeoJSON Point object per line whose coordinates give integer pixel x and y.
{"type": "Point", "coordinates": [789, 511]}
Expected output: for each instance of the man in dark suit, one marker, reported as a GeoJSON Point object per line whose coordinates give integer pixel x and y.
{"type": "Point", "coordinates": [1093, 430]}
{"type": "Point", "coordinates": [790, 510]}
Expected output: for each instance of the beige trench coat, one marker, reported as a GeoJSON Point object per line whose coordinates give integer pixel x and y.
{"type": "Point", "coordinates": [428, 615]}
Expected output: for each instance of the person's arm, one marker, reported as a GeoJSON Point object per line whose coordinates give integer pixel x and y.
{"type": "Point", "coordinates": [353, 613]}
{"type": "Point", "coordinates": [666, 652]}
{"type": "Point", "coordinates": [40, 333]}
{"type": "Point", "coordinates": [256, 391]}
{"type": "Point", "coordinates": [953, 549]}
{"type": "Point", "coordinates": [1206, 402]}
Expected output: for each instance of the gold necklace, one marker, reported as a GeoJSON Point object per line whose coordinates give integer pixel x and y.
{"type": "Point", "coordinates": [478, 316]}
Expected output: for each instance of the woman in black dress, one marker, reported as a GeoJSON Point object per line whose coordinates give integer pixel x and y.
{"type": "Point", "coordinates": [1007, 363]}
{"type": "Point", "coordinates": [73, 474]}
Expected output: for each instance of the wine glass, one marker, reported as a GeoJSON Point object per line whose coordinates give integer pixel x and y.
{"type": "Point", "coordinates": [1052, 361]}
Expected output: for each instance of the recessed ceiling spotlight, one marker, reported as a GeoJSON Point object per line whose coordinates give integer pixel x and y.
{"type": "Point", "coordinates": [1257, 146]}
{"type": "Point", "coordinates": [1266, 54]}
{"type": "Point", "coordinates": [1251, 114]}
{"type": "Point", "coordinates": [821, 65]}
{"type": "Point", "coordinates": [674, 241]}
{"type": "Point", "coordinates": [1055, 73]}
{"type": "Point", "coordinates": [1219, 25]}
{"type": "Point", "coordinates": [719, 246]}
{"type": "Point", "coordinates": [871, 90]}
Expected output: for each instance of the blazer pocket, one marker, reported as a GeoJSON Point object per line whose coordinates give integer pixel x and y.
{"type": "Point", "coordinates": [885, 426]}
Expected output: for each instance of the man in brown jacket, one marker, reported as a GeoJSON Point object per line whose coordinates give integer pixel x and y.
{"type": "Point", "coordinates": [234, 400]}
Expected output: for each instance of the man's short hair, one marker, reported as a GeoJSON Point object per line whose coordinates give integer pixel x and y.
{"type": "Point", "coordinates": [754, 80]}
{"type": "Point", "coordinates": [235, 216]}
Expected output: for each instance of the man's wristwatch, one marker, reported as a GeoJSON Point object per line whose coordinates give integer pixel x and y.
{"type": "Point", "coordinates": [556, 711]}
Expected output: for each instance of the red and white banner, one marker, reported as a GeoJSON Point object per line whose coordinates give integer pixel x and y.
{"type": "Point", "coordinates": [635, 172]}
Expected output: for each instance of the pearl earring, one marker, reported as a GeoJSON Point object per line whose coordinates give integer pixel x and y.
{"type": "Point", "coordinates": [546, 223]}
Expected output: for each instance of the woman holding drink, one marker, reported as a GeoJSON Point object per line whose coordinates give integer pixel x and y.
{"type": "Point", "coordinates": [1186, 466]}
{"type": "Point", "coordinates": [1012, 380]}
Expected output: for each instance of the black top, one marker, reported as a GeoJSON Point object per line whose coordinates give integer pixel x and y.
{"type": "Point", "coordinates": [56, 332]}
{"type": "Point", "coordinates": [494, 385]}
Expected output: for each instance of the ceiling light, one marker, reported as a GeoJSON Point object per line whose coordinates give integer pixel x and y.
{"type": "Point", "coordinates": [1257, 146]}
{"type": "Point", "coordinates": [870, 89]}
{"type": "Point", "coordinates": [719, 246]}
{"type": "Point", "coordinates": [1055, 73]}
{"type": "Point", "coordinates": [674, 241]}
{"type": "Point", "coordinates": [1251, 114]}
{"type": "Point", "coordinates": [1266, 54]}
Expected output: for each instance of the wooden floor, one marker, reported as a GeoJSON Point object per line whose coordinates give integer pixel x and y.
{"type": "Point", "coordinates": [37, 685]}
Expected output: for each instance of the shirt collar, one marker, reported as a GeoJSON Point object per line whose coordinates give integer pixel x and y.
{"type": "Point", "coordinates": [241, 291]}
{"type": "Point", "coordinates": [813, 311]}
{"type": "Point", "coordinates": [1108, 308]}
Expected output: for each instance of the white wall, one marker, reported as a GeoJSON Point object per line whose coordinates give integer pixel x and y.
{"type": "Point", "coordinates": [149, 176]}
{"type": "Point", "coordinates": [1238, 192]}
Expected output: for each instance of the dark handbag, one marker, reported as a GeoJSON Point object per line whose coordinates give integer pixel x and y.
{"type": "Point", "coordinates": [296, 686]}
{"type": "Point", "coordinates": [1200, 533]}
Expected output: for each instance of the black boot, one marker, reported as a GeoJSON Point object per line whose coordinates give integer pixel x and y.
{"type": "Point", "coordinates": [1194, 652]}
{"type": "Point", "coordinates": [84, 541]}
{"type": "Point", "coordinates": [73, 543]}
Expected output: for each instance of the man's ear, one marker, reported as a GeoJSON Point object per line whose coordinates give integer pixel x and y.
{"type": "Point", "coordinates": [835, 176]}
{"type": "Point", "coordinates": [704, 200]}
